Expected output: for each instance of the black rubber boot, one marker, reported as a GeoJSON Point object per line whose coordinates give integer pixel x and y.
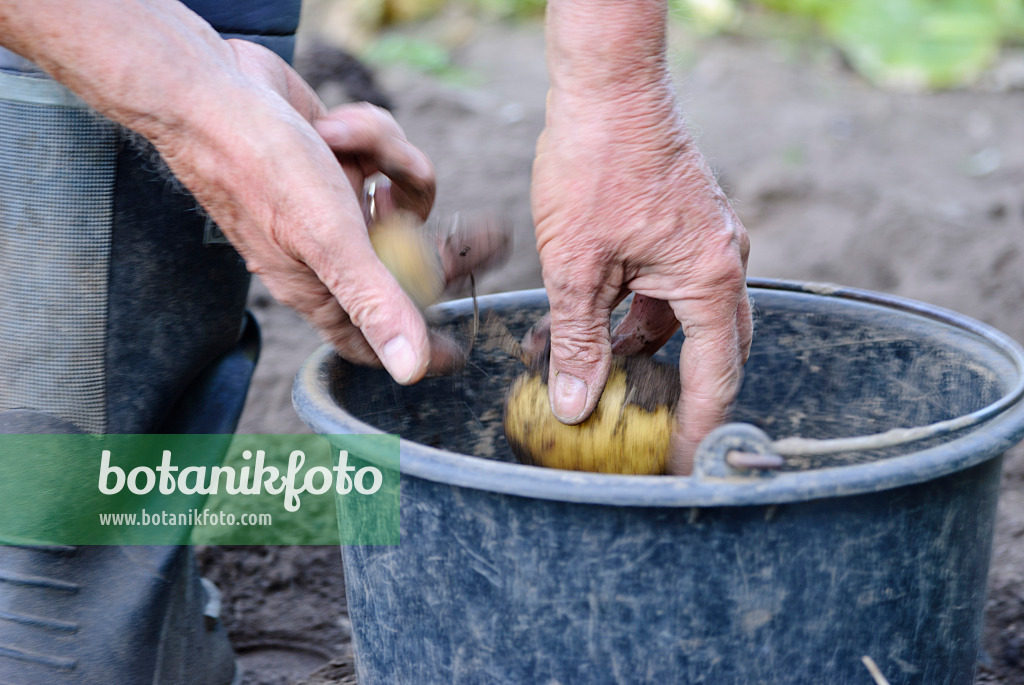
{"type": "Point", "coordinates": [100, 615]}
{"type": "Point", "coordinates": [95, 615]}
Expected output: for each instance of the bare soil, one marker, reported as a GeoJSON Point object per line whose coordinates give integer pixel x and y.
{"type": "Point", "coordinates": [920, 195]}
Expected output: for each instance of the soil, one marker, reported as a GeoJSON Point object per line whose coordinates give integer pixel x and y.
{"type": "Point", "coordinates": [921, 195]}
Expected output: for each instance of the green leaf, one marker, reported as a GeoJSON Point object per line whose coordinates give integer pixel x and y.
{"type": "Point", "coordinates": [915, 44]}
{"type": "Point", "coordinates": [416, 53]}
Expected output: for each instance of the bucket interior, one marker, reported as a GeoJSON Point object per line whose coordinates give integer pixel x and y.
{"type": "Point", "coordinates": [821, 366]}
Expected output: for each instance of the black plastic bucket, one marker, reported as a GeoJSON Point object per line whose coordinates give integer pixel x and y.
{"type": "Point", "coordinates": [872, 546]}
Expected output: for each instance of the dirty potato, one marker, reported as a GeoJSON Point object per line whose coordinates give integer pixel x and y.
{"type": "Point", "coordinates": [628, 433]}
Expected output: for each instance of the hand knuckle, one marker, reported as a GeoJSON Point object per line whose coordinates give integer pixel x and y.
{"type": "Point", "coordinates": [574, 270]}
{"type": "Point", "coordinates": [715, 391]}
{"type": "Point", "coordinates": [361, 309]}
{"type": "Point", "coordinates": [581, 345]}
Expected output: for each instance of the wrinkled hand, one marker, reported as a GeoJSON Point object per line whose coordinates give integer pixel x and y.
{"type": "Point", "coordinates": [282, 177]}
{"type": "Point", "coordinates": [623, 202]}
{"type": "Point", "coordinates": [286, 188]}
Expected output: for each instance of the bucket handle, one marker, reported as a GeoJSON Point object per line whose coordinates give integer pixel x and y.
{"type": "Point", "coordinates": [741, 449]}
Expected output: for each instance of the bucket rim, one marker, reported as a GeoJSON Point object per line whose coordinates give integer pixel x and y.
{"type": "Point", "coordinates": [312, 400]}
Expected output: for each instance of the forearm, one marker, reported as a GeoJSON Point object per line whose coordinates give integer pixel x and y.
{"type": "Point", "coordinates": [150, 65]}
{"type": "Point", "coordinates": [610, 77]}
{"type": "Point", "coordinates": [607, 49]}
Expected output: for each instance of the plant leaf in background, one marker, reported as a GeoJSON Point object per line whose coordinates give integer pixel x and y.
{"type": "Point", "coordinates": [916, 44]}
{"type": "Point", "coordinates": [706, 16]}
{"type": "Point", "coordinates": [901, 44]}
{"type": "Point", "coordinates": [415, 53]}
{"type": "Point", "coordinates": [412, 10]}
{"type": "Point", "coordinates": [423, 54]}
{"type": "Point", "coordinates": [511, 8]}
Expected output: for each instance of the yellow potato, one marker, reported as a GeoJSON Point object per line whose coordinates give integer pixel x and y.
{"type": "Point", "coordinates": [628, 433]}
{"type": "Point", "coordinates": [411, 257]}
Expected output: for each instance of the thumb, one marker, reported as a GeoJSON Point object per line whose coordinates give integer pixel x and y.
{"type": "Point", "coordinates": [580, 353]}
{"type": "Point", "coordinates": [380, 309]}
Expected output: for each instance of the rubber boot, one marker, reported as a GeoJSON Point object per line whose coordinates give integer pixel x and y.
{"type": "Point", "coordinates": [121, 311]}
{"type": "Point", "coordinates": [94, 615]}
{"type": "Point", "coordinates": [98, 615]}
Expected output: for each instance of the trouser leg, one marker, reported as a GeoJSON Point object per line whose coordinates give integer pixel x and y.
{"type": "Point", "coordinates": [118, 314]}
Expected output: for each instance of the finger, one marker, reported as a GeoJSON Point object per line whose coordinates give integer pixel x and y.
{"type": "Point", "coordinates": [303, 292]}
{"type": "Point", "coordinates": [371, 134]}
{"type": "Point", "coordinates": [710, 371]}
{"type": "Point", "coordinates": [447, 356]}
{"type": "Point", "coordinates": [535, 341]}
{"type": "Point", "coordinates": [744, 312]}
{"type": "Point", "coordinates": [580, 341]}
{"type": "Point", "coordinates": [647, 326]}
{"type": "Point", "coordinates": [409, 194]}
{"type": "Point", "coordinates": [377, 200]}
{"type": "Point", "coordinates": [472, 247]}
{"type": "Point", "coordinates": [744, 325]}
{"type": "Point", "coordinates": [373, 301]}
{"type": "Point", "coordinates": [389, 198]}
{"type": "Point", "coordinates": [347, 340]}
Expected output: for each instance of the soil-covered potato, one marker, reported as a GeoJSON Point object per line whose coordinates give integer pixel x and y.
{"type": "Point", "coordinates": [628, 433]}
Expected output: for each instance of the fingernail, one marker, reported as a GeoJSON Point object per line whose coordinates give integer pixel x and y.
{"type": "Point", "coordinates": [570, 397]}
{"type": "Point", "coordinates": [399, 359]}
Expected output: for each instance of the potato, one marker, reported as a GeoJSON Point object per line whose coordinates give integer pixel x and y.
{"type": "Point", "coordinates": [411, 257]}
{"type": "Point", "coordinates": [628, 433]}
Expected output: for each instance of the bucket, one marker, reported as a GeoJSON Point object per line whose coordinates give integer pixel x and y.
{"type": "Point", "coordinates": [872, 540]}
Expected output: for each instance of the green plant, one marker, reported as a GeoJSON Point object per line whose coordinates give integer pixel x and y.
{"type": "Point", "coordinates": [917, 44]}
{"type": "Point", "coordinates": [416, 53]}
{"type": "Point", "coordinates": [907, 44]}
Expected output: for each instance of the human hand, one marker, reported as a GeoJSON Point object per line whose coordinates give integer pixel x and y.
{"type": "Point", "coordinates": [346, 298]}
{"type": "Point", "coordinates": [295, 215]}
{"type": "Point", "coordinates": [623, 202]}
{"type": "Point", "coordinates": [281, 176]}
